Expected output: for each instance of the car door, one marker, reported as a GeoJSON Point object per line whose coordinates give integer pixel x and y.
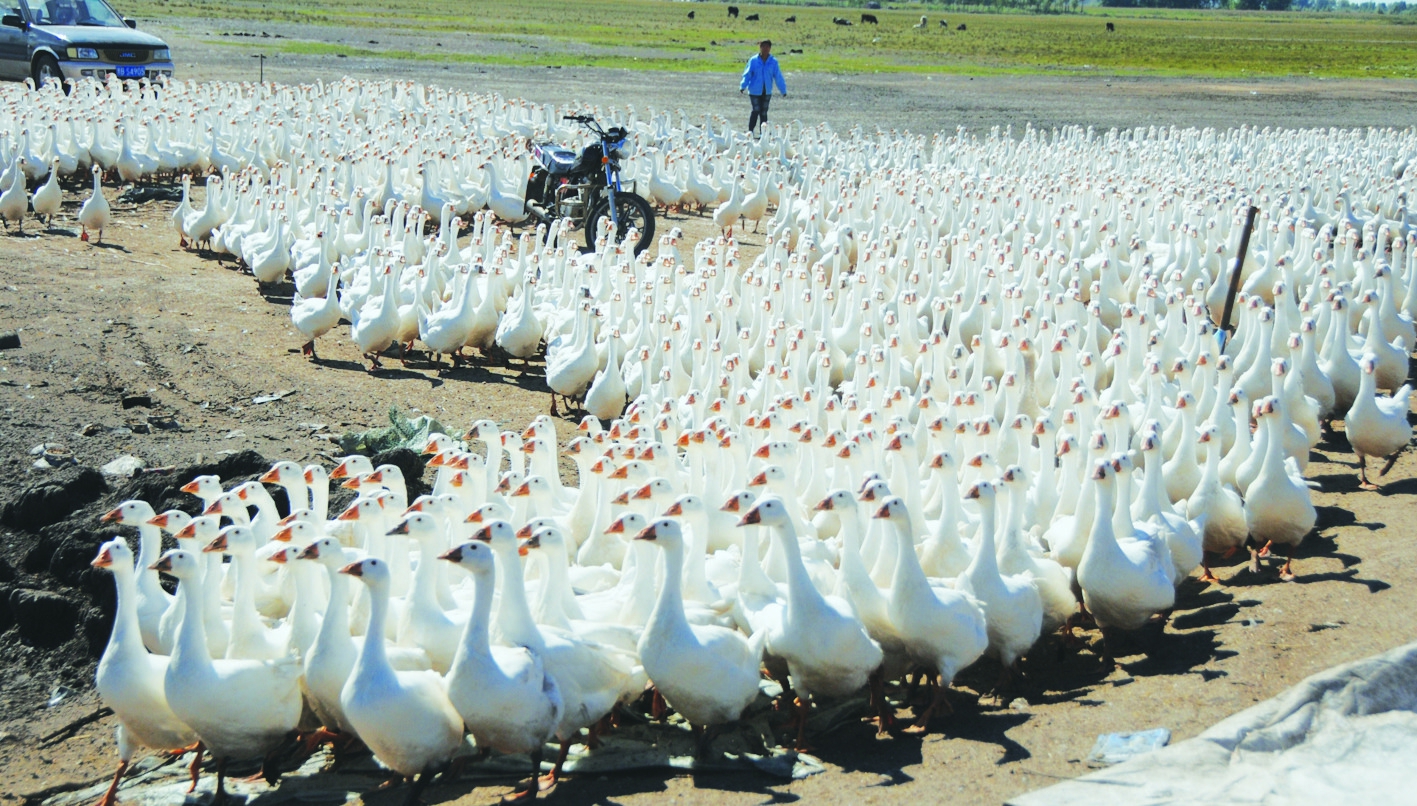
{"type": "Point", "coordinates": [14, 45]}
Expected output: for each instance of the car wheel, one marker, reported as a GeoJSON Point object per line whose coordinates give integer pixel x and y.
{"type": "Point", "coordinates": [46, 70]}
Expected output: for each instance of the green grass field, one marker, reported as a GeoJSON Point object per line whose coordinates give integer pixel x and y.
{"type": "Point", "coordinates": [654, 34]}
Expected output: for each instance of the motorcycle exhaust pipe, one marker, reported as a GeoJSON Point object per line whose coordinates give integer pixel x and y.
{"type": "Point", "coordinates": [542, 215]}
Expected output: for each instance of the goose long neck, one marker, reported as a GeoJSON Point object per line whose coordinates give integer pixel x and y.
{"type": "Point", "coordinates": [798, 582]}
{"type": "Point", "coordinates": [372, 654]}
{"type": "Point", "coordinates": [668, 611]}
{"type": "Point", "coordinates": [985, 562]}
{"type": "Point", "coordinates": [126, 636]}
{"type": "Point", "coordinates": [336, 622]}
{"type": "Point", "coordinates": [149, 547]}
{"type": "Point", "coordinates": [475, 638]}
{"type": "Point", "coordinates": [908, 574]}
{"type": "Point", "coordinates": [1102, 539]}
{"type": "Point", "coordinates": [514, 614]}
{"type": "Point", "coordinates": [190, 649]}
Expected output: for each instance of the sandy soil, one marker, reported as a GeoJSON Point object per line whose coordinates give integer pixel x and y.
{"type": "Point", "coordinates": [139, 315]}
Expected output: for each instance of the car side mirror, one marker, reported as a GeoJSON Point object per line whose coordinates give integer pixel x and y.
{"type": "Point", "coordinates": [130, 23]}
{"type": "Point", "coordinates": [12, 21]}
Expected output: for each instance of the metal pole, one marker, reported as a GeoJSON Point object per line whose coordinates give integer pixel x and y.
{"type": "Point", "coordinates": [1235, 273]}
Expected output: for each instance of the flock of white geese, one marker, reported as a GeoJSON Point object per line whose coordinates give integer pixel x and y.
{"type": "Point", "coordinates": [972, 389]}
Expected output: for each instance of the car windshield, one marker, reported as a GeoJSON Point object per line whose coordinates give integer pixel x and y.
{"type": "Point", "coordinates": [94, 13]}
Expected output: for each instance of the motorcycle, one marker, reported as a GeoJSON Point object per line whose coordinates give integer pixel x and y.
{"type": "Point", "coordinates": [586, 187]}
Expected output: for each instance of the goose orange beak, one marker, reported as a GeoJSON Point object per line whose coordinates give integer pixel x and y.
{"type": "Point", "coordinates": [453, 554]}
{"type": "Point", "coordinates": [189, 488]}
{"type": "Point", "coordinates": [622, 499]}
{"type": "Point", "coordinates": [674, 511]}
{"type": "Point", "coordinates": [753, 516]}
{"type": "Point", "coordinates": [759, 480]}
{"type": "Point", "coordinates": [309, 477]}
{"type": "Point", "coordinates": [762, 452]}
{"type": "Point", "coordinates": [283, 535]}
{"type": "Point", "coordinates": [616, 528]}
{"type": "Point", "coordinates": [279, 557]}
{"type": "Point", "coordinates": [642, 493]}
{"type": "Point", "coordinates": [522, 490]}
{"type": "Point", "coordinates": [218, 544]}
{"type": "Point", "coordinates": [111, 515]}
{"type": "Point", "coordinates": [354, 569]}
{"type": "Point", "coordinates": [883, 512]}
{"type": "Point", "coordinates": [825, 505]}
{"type": "Point", "coordinates": [163, 565]}
{"type": "Point", "coordinates": [103, 560]}
{"type": "Point", "coordinates": [310, 552]}
{"type": "Point", "coordinates": [648, 533]}
{"type": "Point", "coordinates": [270, 477]}
{"type": "Point", "coordinates": [483, 535]}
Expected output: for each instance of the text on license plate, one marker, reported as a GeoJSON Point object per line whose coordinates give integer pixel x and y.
{"type": "Point", "coordinates": [127, 71]}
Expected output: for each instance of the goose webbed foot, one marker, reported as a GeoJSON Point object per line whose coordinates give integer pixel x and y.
{"type": "Point", "coordinates": [548, 782]}
{"type": "Point", "coordinates": [308, 349]}
{"type": "Point", "coordinates": [1287, 572]}
{"type": "Point", "coordinates": [1363, 483]}
{"type": "Point", "coordinates": [937, 703]}
{"type": "Point", "coordinates": [420, 783]}
{"type": "Point", "coordinates": [803, 709]}
{"type": "Point", "coordinates": [373, 359]}
{"type": "Point", "coordinates": [1265, 549]}
{"type": "Point", "coordinates": [195, 768]}
{"type": "Point", "coordinates": [1254, 561]}
{"type": "Point", "coordinates": [528, 790]}
{"type": "Point", "coordinates": [884, 719]}
{"type": "Point", "coordinates": [658, 707]}
{"type": "Point", "coordinates": [1206, 574]}
{"type": "Point", "coordinates": [110, 798]}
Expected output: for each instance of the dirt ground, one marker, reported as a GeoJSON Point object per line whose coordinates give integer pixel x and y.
{"type": "Point", "coordinates": [137, 315]}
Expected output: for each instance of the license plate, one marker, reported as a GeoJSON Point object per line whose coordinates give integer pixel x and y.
{"type": "Point", "coordinates": [125, 71]}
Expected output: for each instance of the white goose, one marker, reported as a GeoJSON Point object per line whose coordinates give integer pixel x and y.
{"type": "Point", "coordinates": [708, 674]}
{"type": "Point", "coordinates": [129, 680]}
{"type": "Point", "coordinates": [943, 630]}
{"type": "Point", "coordinates": [505, 696]}
{"type": "Point", "coordinates": [1124, 580]}
{"type": "Point", "coordinates": [1013, 608]}
{"type": "Point", "coordinates": [1377, 426]}
{"type": "Point", "coordinates": [316, 316]}
{"type": "Point", "coordinates": [1278, 508]}
{"type": "Point", "coordinates": [404, 717]}
{"type": "Point", "coordinates": [48, 198]}
{"type": "Point", "coordinates": [95, 213]}
{"type": "Point", "coordinates": [240, 709]}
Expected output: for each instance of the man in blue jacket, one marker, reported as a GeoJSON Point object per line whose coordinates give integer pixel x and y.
{"type": "Point", "coordinates": [758, 77]}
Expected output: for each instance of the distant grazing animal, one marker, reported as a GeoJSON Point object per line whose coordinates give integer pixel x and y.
{"type": "Point", "coordinates": [1111, 28]}
{"type": "Point", "coordinates": [691, 15]}
{"type": "Point", "coordinates": [841, 21]}
{"type": "Point", "coordinates": [961, 27]}
{"type": "Point", "coordinates": [924, 23]}
{"type": "Point", "coordinates": [794, 50]}
{"type": "Point", "coordinates": [733, 12]}
{"type": "Point", "coordinates": [751, 18]}
{"type": "Point", "coordinates": [871, 18]}
{"type": "Point", "coordinates": [793, 18]}
{"type": "Point", "coordinates": [945, 24]}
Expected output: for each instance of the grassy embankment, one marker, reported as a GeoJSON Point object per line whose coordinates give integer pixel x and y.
{"type": "Point", "coordinates": [654, 34]}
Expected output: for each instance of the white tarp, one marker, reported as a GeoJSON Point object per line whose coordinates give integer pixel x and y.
{"type": "Point", "coordinates": [1345, 735]}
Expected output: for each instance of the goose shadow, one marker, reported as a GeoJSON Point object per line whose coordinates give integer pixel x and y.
{"type": "Point", "coordinates": [385, 372]}
{"type": "Point", "coordinates": [1175, 653]}
{"type": "Point", "coordinates": [1399, 487]}
{"type": "Point", "coordinates": [989, 728]}
{"type": "Point", "coordinates": [113, 246]}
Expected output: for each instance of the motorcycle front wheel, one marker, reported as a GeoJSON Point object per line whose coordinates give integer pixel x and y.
{"type": "Point", "coordinates": [630, 211]}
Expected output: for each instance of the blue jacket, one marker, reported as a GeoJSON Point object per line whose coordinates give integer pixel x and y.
{"type": "Point", "coordinates": [759, 76]}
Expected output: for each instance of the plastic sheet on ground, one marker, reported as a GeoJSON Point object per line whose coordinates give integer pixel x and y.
{"type": "Point", "coordinates": [401, 432]}
{"type": "Point", "coordinates": [1346, 735]}
{"type": "Point", "coordinates": [747, 747]}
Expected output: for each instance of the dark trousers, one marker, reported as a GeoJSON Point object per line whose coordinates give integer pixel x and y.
{"type": "Point", "coordinates": [760, 110]}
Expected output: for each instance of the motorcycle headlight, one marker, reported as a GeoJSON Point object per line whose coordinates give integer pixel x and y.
{"type": "Point", "coordinates": [90, 54]}
{"type": "Point", "coordinates": [162, 55]}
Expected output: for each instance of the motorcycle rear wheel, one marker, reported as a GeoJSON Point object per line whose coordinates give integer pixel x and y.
{"type": "Point", "coordinates": [630, 210]}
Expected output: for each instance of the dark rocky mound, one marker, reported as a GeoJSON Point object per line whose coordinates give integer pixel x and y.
{"type": "Point", "coordinates": [55, 610]}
